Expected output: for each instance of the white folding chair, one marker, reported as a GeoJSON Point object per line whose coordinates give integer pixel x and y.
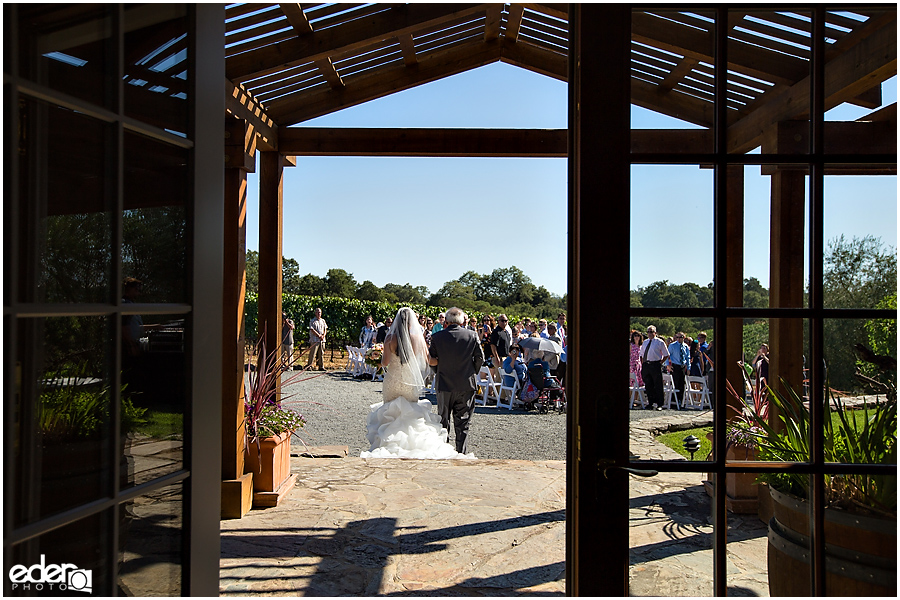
{"type": "Point", "coordinates": [486, 387]}
{"type": "Point", "coordinates": [696, 393]}
{"type": "Point", "coordinates": [669, 391]}
{"type": "Point", "coordinates": [637, 392]}
{"type": "Point", "coordinates": [350, 364]}
{"type": "Point", "coordinates": [507, 395]}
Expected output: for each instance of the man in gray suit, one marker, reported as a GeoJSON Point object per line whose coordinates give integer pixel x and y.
{"type": "Point", "coordinates": [458, 356]}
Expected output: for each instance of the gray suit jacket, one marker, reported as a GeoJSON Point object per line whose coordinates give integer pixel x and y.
{"type": "Point", "coordinates": [459, 358]}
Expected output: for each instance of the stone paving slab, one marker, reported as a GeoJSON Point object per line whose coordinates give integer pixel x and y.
{"type": "Point", "coordinates": [366, 527]}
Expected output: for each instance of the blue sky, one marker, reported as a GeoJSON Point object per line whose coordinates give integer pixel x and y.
{"type": "Point", "coordinates": [345, 212]}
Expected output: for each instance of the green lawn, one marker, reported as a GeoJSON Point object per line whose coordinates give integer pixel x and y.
{"type": "Point", "coordinates": [675, 439]}
{"type": "Point", "coordinates": [162, 425]}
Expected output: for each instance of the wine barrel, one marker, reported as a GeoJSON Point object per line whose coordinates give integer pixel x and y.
{"type": "Point", "coordinates": [860, 551]}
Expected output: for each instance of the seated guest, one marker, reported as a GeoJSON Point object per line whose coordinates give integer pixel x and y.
{"type": "Point", "coordinates": [515, 365]}
{"type": "Point", "coordinates": [538, 362]}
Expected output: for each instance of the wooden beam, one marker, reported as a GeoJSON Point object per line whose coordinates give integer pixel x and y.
{"type": "Point", "coordinates": [296, 17]}
{"type": "Point", "coordinates": [242, 105]}
{"type": "Point", "coordinates": [560, 11]}
{"type": "Point", "coordinates": [514, 21]}
{"type": "Point", "coordinates": [240, 145]}
{"type": "Point", "coordinates": [382, 82]}
{"type": "Point", "coordinates": [868, 63]}
{"type": "Point", "coordinates": [841, 137]}
{"type": "Point", "coordinates": [326, 67]}
{"type": "Point", "coordinates": [535, 59]}
{"type": "Point", "coordinates": [271, 221]}
{"type": "Point", "coordinates": [492, 22]}
{"type": "Point", "coordinates": [408, 49]}
{"type": "Point", "coordinates": [397, 21]}
{"type": "Point", "coordinates": [681, 70]}
{"type": "Point", "coordinates": [522, 143]}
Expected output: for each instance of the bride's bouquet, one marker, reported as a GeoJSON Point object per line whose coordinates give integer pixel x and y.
{"type": "Point", "coordinates": [373, 355]}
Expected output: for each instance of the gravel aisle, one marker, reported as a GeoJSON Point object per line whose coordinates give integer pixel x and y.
{"type": "Point", "coordinates": [335, 406]}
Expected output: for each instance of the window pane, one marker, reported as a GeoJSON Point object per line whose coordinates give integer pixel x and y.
{"type": "Point", "coordinates": [672, 81]}
{"type": "Point", "coordinates": [769, 55]}
{"type": "Point", "coordinates": [81, 546]}
{"type": "Point", "coordinates": [63, 425]}
{"type": "Point", "coordinates": [69, 47]}
{"type": "Point", "coordinates": [154, 236]}
{"type": "Point", "coordinates": [155, 392]}
{"type": "Point", "coordinates": [150, 543]}
{"type": "Point", "coordinates": [786, 192]}
{"type": "Point", "coordinates": [156, 71]}
{"type": "Point", "coordinates": [860, 225]}
{"type": "Point", "coordinates": [65, 194]}
{"type": "Point", "coordinates": [672, 235]}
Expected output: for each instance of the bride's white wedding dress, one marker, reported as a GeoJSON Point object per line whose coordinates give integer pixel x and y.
{"type": "Point", "coordinates": [402, 426]}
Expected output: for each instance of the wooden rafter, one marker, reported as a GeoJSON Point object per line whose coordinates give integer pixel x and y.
{"type": "Point", "coordinates": [681, 70]}
{"type": "Point", "coordinates": [492, 22]}
{"type": "Point", "coordinates": [320, 44]}
{"type": "Point", "coordinates": [533, 58]}
{"type": "Point", "coordinates": [872, 60]}
{"type": "Point", "coordinates": [514, 21]}
{"type": "Point", "coordinates": [408, 49]}
{"type": "Point", "coordinates": [296, 18]}
{"type": "Point", "coordinates": [328, 71]}
{"type": "Point", "coordinates": [240, 104]}
{"type": "Point", "coordinates": [390, 79]}
{"type": "Point", "coordinates": [674, 104]}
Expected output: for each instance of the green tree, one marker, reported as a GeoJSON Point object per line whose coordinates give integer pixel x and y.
{"type": "Point", "coordinates": [252, 269]}
{"type": "Point", "coordinates": [859, 273]}
{"type": "Point", "coordinates": [755, 295]}
{"type": "Point", "coordinates": [369, 291]}
{"type": "Point", "coordinates": [290, 276]}
{"type": "Point", "coordinates": [311, 285]}
{"type": "Point", "coordinates": [340, 283]}
{"type": "Point", "coordinates": [406, 293]}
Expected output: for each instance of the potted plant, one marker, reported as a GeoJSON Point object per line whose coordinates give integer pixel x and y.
{"type": "Point", "coordinates": [741, 489]}
{"type": "Point", "coordinates": [269, 426]}
{"type": "Point", "coordinates": [860, 509]}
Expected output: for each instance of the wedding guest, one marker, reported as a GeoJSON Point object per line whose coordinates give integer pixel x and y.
{"type": "Point", "coordinates": [287, 337]}
{"type": "Point", "coordinates": [500, 342]}
{"type": "Point", "coordinates": [634, 362]}
{"type": "Point", "coordinates": [761, 363]}
{"type": "Point", "coordinates": [439, 324]}
{"type": "Point", "coordinates": [367, 334]}
{"type": "Point", "coordinates": [382, 331]}
{"type": "Point", "coordinates": [697, 362]}
{"type": "Point", "coordinates": [553, 358]}
{"type": "Point", "coordinates": [485, 337]}
{"type": "Point", "coordinates": [561, 328]}
{"type": "Point", "coordinates": [542, 328]}
{"type": "Point", "coordinates": [473, 324]}
{"type": "Point", "coordinates": [653, 353]}
{"type": "Point", "coordinates": [679, 362]}
{"type": "Point", "coordinates": [317, 330]}
{"type": "Point", "coordinates": [514, 364]}
{"type": "Point", "coordinates": [429, 323]}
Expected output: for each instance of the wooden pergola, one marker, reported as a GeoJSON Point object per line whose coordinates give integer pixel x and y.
{"type": "Point", "coordinates": [289, 63]}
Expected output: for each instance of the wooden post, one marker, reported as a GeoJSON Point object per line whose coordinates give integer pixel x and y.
{"type": "Point", "coordinates": [237, 489]}
{"type": "Point", "coordinates": [786, 282]}
{"type": "Point", "coordinates": [271, 213]}
{"type": "Point", "coordinates": [734, 286]}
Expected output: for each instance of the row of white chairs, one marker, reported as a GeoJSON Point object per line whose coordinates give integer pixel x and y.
{"type": "Point", "coordinates": [696, 393]}
{"type": "Point", "coordinates": [356, 364]}
{"type": "Point", "coordinates": [488, 388]}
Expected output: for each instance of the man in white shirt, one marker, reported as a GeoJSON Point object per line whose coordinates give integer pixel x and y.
{"type": "Point", "coordinates": [679, 362]}
{"type": "Point", "coordinates": [653, 353]}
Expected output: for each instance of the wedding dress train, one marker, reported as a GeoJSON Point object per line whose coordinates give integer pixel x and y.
{"type": "Point", "coordinates": [402, 426]}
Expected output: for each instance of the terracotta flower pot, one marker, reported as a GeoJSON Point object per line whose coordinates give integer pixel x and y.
{"type": "Point", "coordinates": [270, 463]}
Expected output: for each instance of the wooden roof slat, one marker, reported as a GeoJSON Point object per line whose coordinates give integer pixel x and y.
{"type": "Point", "coordinates": [372, 62]}
{"type": "Point", "coordinates": [325, 10]}
{"type": "Point", "coordinates": [874, 59]}
{"type": "Point", "coordinates": [287, 74]}
{"type": "Point", "coordinates": [771, 30]}
{"type": "Point", "coordinates": [375, 52]}
{"type": "Point", "coordinates": [447, 26]}
{"type": "Point", "coordinates": [841, 20]}
{"type": "Point", "coordinates": [543, 28]}
{"type": "Point", "coordinates": [535, 37]}
{"type": "Point", "coordinates": [750, 38]}
{"type": "Point", "coordinates": [265, 30]}
{"type": "Point", "coordinates": [689, 20]}
{"type": "Point", "coordinates": [241, 9]}
{"type": "Point", "coordinates": [274, 87]}
{"type": "Point", "coordinates": [251, 45]}
{"type": "Point", "coordinates": [467, 26]}
{"type": "Point", "coordinates": [389, 23]}
{"type": "Point", "coordinates": [341, 20]}
{"type": "Point", "coordinates": [673, 104]}
{"type": "Point", "coordinates": [560, 11]}
{"type": "Point", "coordinates": [296, 17]}
{"type": "Point", "coordinates": [514, 21]}
{"type": "Point", "coordinates": [556, 24]}
{"type": "Point", "coordinates": [241, 104]}
{"type": "Point", "coordinates": [312, 82]}
{"type": "Point", "coordinates": [395, 78]}
{"type": "Point", "coordinates": [360, 53]}
{"type": "Point", "coordinates": [272, 12]}
{"type": "Point", "coordinates": [447, 42]}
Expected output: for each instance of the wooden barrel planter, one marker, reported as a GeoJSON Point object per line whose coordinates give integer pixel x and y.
{"type": "Point", "coordinates": [860, 551]}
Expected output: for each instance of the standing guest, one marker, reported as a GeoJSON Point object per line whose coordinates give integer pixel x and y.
{"type": "Point", "coordinates": [317, 330]}
{"type": "Point", "coordinates": [500, 342]}
{"type": "Point", "coordinates": [634, 362]}
{"type": "Point", "coordinates": [287, 338]}
{"type": "Point", "coordinates": [439, 324]}
{"type": "Point", "coordinates": [473, 325]}
{"type": "Point", "coordinates": [383, 330]}
{"type": "Point", "coordinates": [561, 328]}
{"type": "Point", "coordinates": [429, 323]}
{"type": "Point", "coordinates": [551, 357]}
{"type": "Point", "coordinates": [542, 328]}
{"type": "Point", "coordinates": [704, 347]}
{"type": "Point", "coordinates": [697, 362]}
{"type": "Point", "coordinates": [457, 355]}
{"type": "Point", "coordinates": [653, 353]}
{"type": "Point", "coordinates": [710, 370]}
{"type": "Point", "coordinates": [561, 369]}
{"type": "Point", "coordinates": [525, 323]}
{"type": "Point", "coordinates": [679, 362]}
{"type": "Point", "coordinates": [485, 335]}
{"type": "Point", "coordinates": [367, 333]}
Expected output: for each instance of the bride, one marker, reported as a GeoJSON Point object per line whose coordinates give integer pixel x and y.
{"type": "Point", "coordinates": [402, 426]}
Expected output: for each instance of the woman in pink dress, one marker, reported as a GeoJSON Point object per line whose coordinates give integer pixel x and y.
{"type": "Point", "coordinates": [634, 365]}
